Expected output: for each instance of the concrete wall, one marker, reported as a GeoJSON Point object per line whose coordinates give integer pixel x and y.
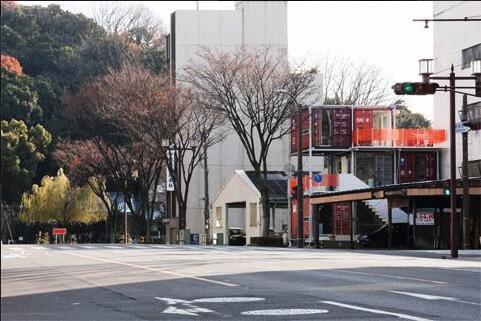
{"type": "Point", "coordinates": [450, 38]}
{"type": "Point", "coordinates": [253, 25]}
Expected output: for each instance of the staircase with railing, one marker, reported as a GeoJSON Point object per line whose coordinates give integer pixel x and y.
{"type": "Point", "coordinates": [379, 207]}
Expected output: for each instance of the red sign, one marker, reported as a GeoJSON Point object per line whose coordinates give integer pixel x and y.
{"type": "Point", "coordinates": [59, 231]}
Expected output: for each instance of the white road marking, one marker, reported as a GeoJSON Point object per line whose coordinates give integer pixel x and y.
{"type": "Point", "coordinates": [154, 269]}
{"type": "Point", "coordinates": [136, 247]}
{"type": "Point", "coordinates": [190, 309]}
{"type": "Point", "coordinates": [113, 247]}
{"type": "Point", "coordinates": [376, 311]}
{"type": "Point", "coordinates": [171, 301]}
{"type": "Point", "coordinates": [425, 296]}
{"type": "Point", "coordinates": [12, 256]}
{"type": "Point", "coordinates": [174, 310]}
{"type": "Point", "coordinates": [228, 299]}
{"type": "Point", "coordinates": [434, 297]}
{"type": "Point", "coordinates": [87, 247]}
{"type": "Point", "coordinates": [392, 276]}
{"type": "Point", "coordinates": [284, 312]}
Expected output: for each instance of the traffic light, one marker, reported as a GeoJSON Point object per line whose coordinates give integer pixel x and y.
{"type": "Point", "coordinates": [415, 88]}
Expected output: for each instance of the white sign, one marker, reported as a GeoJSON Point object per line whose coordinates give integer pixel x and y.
{"type": "Point", "coordinates": [425, 216]}
{"type": "Point", "coordinates": [460, 128]}
{"type": "Point", "coordinates": [170, 182]}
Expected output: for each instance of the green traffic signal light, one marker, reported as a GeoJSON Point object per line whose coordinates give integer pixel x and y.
{"type": "Point", "coordinates": [447, 192]}
{"type": "Point", "coordinates": [415, 88]}
{"type": "Point", "coordinates": [408, 88]}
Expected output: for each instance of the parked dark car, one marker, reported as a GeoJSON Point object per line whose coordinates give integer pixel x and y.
{"type": "Point", "coordinates": [379, 238]}
{"type": "Point", "coordinates": [237, 236]}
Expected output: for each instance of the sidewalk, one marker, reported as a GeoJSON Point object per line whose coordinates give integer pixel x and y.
{"type": "Point", "coordinates": [468, 255]}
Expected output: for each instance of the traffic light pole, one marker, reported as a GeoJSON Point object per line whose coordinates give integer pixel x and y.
{"type": "Point", "coordinates": [454, 228]}
{"type": "Point", "coordinates": [452, 138]}
{"type": "Point", "coordinates": [300, 186]}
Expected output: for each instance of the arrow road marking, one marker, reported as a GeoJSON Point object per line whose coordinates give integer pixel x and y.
{"type": "Point", "coordinates": [433, 297]}
{"type": "Point", "coordinates": [190, 309]}
{"type": "Point", "coordinates": [399, 315]}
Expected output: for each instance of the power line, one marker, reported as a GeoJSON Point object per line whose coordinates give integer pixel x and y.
{"type": "Point", "coordinates": [448, 9]}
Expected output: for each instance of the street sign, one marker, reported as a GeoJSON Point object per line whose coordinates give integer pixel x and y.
{"type": "Point", "coordinates": [59, 231]}
{"type": "Point", "coordinates": [460, 128]}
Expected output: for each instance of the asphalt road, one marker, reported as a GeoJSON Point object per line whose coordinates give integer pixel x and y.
{"type": "Point", "coordinates": [159, 282]}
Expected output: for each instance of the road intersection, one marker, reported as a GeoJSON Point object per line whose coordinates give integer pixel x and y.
{"type": "Point", "coordinates": [162, 282]}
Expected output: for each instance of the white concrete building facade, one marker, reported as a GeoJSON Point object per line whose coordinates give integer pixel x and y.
{"type": "Point", "coordinates": [253, 25]}
{"type": "Point", "coordinates": [456, 43]}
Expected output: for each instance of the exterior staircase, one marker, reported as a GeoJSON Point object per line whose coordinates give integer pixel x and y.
{"type": "Point", "coordinates": [348, 182]}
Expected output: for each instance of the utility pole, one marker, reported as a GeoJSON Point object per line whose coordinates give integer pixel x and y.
{"type": "Point", "coordinates": [466, 198]}
{"type": "Point", "coordinates": [125, 221]}
{"type": "Point", "coordinates": [206, 194]}
{"type": "Point", "coordinates": [452, 147]}
{"type": "Point", "coordinates": [300, 185]}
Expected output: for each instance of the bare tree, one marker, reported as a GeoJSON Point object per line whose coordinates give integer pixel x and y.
{"type": "Point", "coordinates": [350, 83]}
{"type": "Point", "coordinates": [134, 21]}
{"type": "Point", "coordinates": [125, 160]}
{"type": "Point", "coordinates": [145, 107]}
{"type": "Point", "coordinates": [244, 88]}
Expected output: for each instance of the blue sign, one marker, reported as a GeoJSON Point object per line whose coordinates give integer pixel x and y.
{"type": "Point", "coordinates": [318, 178]}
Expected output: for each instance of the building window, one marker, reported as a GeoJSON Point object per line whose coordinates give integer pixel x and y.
{"type": "Point", "coordinates": [218, 216]}
{"type": "Point", "coordinates": [253, 214]}
{"type": "Point", "coordinates": [470, 54]}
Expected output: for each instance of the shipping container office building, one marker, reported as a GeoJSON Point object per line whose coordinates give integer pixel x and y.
{"type": "Point", "coordinates": [362, 141]}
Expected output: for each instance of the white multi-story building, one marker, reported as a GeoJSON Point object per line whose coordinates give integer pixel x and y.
{"type": "Point", "coordinates": [253, 25]}
{"type": "Point", "coordinates": [457, 43]}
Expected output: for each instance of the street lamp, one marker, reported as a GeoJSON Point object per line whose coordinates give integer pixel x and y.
{"type": "Point", "coordinates": [476, 72]}
{"type": "Point", "coordinates": [300, 187]}
{"type": "Point", "coordinates": [476, 68]}
{"type": "Point", "coordinates": [425, 68]}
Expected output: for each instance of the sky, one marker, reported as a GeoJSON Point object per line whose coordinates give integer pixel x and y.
{"type": "Point", "coordinates": [377, 32]}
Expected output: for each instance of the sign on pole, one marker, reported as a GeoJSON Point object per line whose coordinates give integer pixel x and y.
{"type": "Point", "coordinates": [460, 128]}
{"type": "Point", "coordinates": [59, 231]}
{"type": "Point", "coordinates": [170, 182]}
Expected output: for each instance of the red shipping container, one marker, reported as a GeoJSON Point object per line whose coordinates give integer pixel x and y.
{"type": "Point", "coordinates": [305, 131]}
{"type": "Point", "coordinates": [363, 119]}
{"type": "Point", "coordinates": [341, 129]}
{"type": "Point", "coordinates": [341, 218]}
{"type": "Point", "coordinates": [417, 166]}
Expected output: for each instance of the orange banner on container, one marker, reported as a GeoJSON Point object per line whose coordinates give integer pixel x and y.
{"type": "Point", "coordinates": [400, 137]}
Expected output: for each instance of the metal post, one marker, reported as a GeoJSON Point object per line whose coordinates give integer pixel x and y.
{"type": "Point", "coordinates": [311, 220]}
{"type": "Point", "coordinates": [454, 224]}
{"type": "Point", "coordinates": [125, 221]}
{"type": "Point", "coordinates": [389, 227]}
{"type": "Point", "coordinates": [466, 198]}
{"type": "Point", "coordinates": [414, 223]}
{"type": "Point", "coordinates": [300, 187]}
